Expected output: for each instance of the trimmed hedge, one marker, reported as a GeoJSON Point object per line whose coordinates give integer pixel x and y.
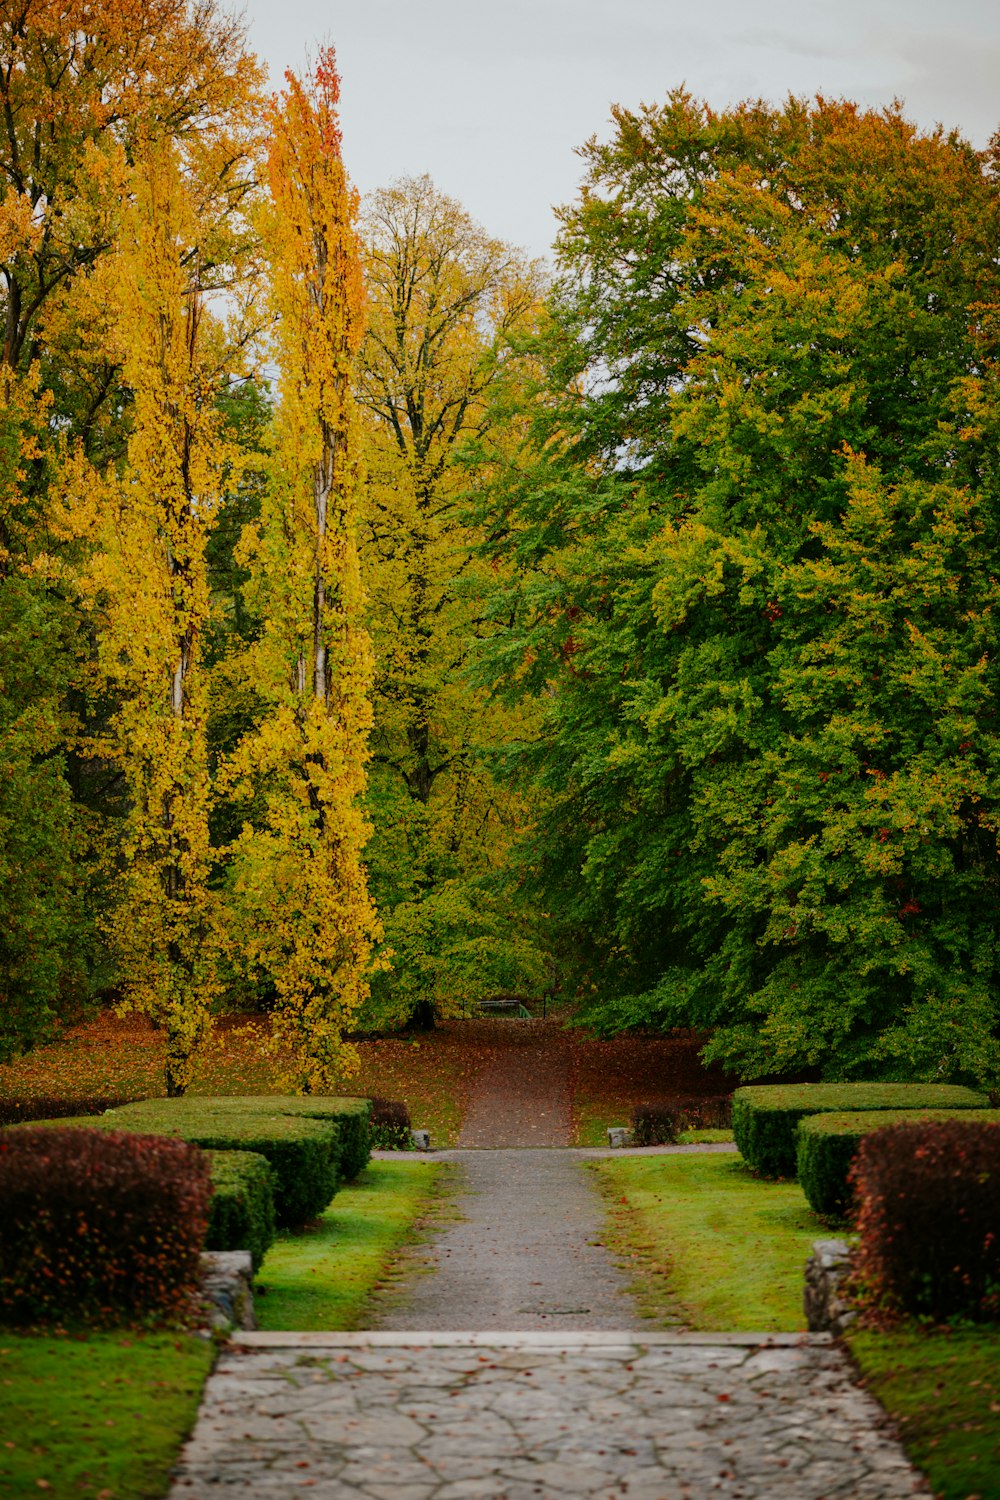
{"type": "Point", "coordinates": [311, 1142]}
{"type": "Point", "coordinates": [241, 1212]}
{"type": "Point", "coordinates": [57, 1107]}
{"type": "Point", "coordinates": [304, 1152]}
{"type": "Point", "coordinates": [928, 1215]}
{"type": "Point", "coordinates": [826, 1146]}
{"type": "Point", "coordinates": [765, 1116]}
{"type": "Point", "coordinates": [352, 1117]}
{"type": "Point", "coordinates": [99, 1226]}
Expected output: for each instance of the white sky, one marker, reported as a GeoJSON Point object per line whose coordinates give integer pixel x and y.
{"type": "Point", "coordinates": [492, 98]}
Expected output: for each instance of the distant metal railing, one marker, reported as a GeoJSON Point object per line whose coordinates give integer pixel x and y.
{"type": "Point", "coordinates": [506, 1005]}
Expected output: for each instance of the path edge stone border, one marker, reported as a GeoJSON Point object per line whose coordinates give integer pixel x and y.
{"type": "Point", "coordinates": [528, 1338]}
{"type": "Point", "coordinates": [826, 1308]}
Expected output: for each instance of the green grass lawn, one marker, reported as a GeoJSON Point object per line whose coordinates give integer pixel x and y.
{"type": "Point", "coordinates": [99, 1417]}
{"type": "Point", "coordinates": [943, 1389]}
{"type": "Point", "coordinates": [321, 1277]}
{"type": "Point", "coordinates": [711, 1246]}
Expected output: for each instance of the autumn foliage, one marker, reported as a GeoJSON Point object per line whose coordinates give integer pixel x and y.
{"type": "Point", "coordinates": [302, 913]}
{"type": "Point", "coordinates": [629, 635]}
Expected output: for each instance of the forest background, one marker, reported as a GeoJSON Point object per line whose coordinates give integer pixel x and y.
{"type": "Point", "coordinates": [385, 623]}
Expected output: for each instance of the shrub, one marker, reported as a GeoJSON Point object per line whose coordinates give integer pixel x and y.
{"type": "Point", "coordinates": [99, 1226]}
{"type": "Point", "coordinates": [56, 1107]}
{"type": "Point", "coordinates": [304, 1152]}
{"type": "Point", "coordinates": [765, 1116]}
{"type": "Point", "coordinates": [391, 1125]}
{"type": "Point", "coordinates": [350, 1116]}
{"type": "Point", "coordinates": [929, 1218]}
{"type": "Point", "coordinates": [826, 1145]}
{"type": "Point", "coordinates": [310, 1142]}
{"type": "Point", "coordinates": [656, 1124]}
{"type": "Point", "coordinates": [713, 1112]}
{"type": "Point", "coordinates": [241, 1212]}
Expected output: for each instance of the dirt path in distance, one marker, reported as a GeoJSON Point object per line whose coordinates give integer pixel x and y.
{"type": "Point", "coordinates": [523, 1096]}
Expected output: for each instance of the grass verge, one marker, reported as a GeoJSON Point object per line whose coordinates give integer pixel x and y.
{"type": "Point", "coordinates": [100, 1417]}
{"type": "Point", "coordinates": [321, 1278]}
{"type": "Point", "coordinates": [942, 1388]}
{"type": "Point", "coordinates": [708, 1243]}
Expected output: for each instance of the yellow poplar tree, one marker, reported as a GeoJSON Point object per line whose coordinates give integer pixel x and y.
{"type": "Point", "coordinates": [302, 914]}
{"type": "Point", "coordinates": [152, 601]}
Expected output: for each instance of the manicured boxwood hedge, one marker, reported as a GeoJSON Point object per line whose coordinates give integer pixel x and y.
{"type": "Point", "coordinates": [826, 1145]}
{"type": "Point", "coordinates": [310, 1142]}
{"type": "Point", "coordinates": [765, 1116]}
{"type": "Point", "coordinates": [241, 1212]}
{"type": "Point", "coordinates": [352, 1117]}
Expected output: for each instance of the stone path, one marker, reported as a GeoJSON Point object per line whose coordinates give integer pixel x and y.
{"type": "Point", "coordinates": [539, 1417]}
{"type": "Point", "coordinates": [527, 1253]}
{"type": "Point", "coordinates": [559, 1394]}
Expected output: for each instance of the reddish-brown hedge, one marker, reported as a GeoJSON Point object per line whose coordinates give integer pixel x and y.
{"type": "Point", "coordinates": [928, 1198]}
{"type": "Point", "coordinates": [99, 1226]}
{"type": "Point", "coordinates": [57, 1107]}
{"type": "Point", "coordinates": [660, 1121]}
{"type": "Point", "coordinates": [390, 1125]}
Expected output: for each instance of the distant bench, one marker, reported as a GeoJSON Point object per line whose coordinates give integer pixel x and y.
{"type": "Point", "coordinates": [506, 1005]}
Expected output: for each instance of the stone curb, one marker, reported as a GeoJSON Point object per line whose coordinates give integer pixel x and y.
{"type": "Point", "coordinates": [452, 1153]}
{"type": "Point", "coordinates": [529, 1339]}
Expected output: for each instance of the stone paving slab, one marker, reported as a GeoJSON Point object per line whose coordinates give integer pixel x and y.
{"type": "Point", "coordinates": [588, 1338]}
{"type": "Point", "coordinates": [615, 1417]}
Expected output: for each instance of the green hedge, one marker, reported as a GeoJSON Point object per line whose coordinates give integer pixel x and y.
{"type": "Point", "coordinates": [310, 1142]}
{"type": "Point", "coordinates": [352, 1117]}
{"type": "Point", "coordinates": [826, 1145]}
{"type": "Point", "coordinates": [305, 1153]}
{"type": "Point", "coordinates": [241, 1213]}
{"type": "Point", "coordinates": [765, 1116]}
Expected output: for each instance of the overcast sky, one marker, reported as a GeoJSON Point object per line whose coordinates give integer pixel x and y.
{"type": "Point", "coordinates": [492, 98]}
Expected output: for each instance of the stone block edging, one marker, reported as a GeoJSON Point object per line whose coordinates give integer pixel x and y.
{"type": "Point", "coordinates": [528, 1339]}
{"type": "Point", "coordinates": [227, 1288]}
{"type": "Point", "coordinates": [827, 1309]}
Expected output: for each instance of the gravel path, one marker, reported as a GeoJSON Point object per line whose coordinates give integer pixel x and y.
{"type": "Point", "coordinates": [617, 1418]}
{"type": "Point", "coordinates": [527, 1253]}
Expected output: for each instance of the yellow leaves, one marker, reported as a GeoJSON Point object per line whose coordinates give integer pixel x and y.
{"type": "Point", "coordinates": [149, 587]}
{"type": "Point", "coordinates": [21, 227]}
{"type": "Point", "coordinates": [313, 932]}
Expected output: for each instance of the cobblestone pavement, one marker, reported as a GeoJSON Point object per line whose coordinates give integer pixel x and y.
{"type": "Point", "coordinates": [540, 1417]}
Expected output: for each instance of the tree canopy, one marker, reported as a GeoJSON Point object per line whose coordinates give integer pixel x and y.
{"type": "Point", "coordinates": [385, 623]}
{"type": "Point", "coordinates": [756, 526]}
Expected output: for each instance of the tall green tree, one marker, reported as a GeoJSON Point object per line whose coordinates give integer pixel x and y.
{"type": "Point", "coordinates": [447, 306]}
{"type": "Point", "coordinates": [758, 598]}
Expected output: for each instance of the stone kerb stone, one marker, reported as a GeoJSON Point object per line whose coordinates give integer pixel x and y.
{"type": "Point", "coordinates": [827, 1309]}
{"type": "Point", "coordinates": [227, 1287]}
